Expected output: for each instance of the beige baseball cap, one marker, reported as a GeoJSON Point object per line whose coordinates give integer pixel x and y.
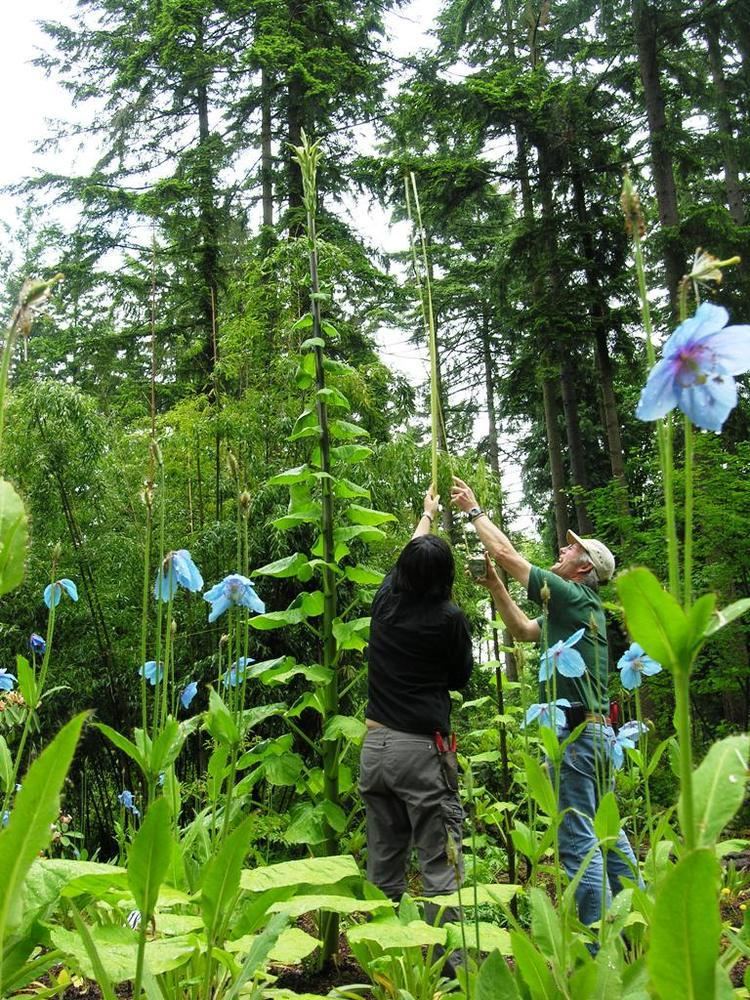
{"type": "Point", "coordinates": [601, 558]}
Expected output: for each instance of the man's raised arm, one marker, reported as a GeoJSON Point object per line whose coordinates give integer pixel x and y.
{"type": "Point", "coordinates": [494, 540]}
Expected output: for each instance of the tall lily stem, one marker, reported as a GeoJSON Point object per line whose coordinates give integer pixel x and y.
{"type": "Point", "coordinates": [308, 156]}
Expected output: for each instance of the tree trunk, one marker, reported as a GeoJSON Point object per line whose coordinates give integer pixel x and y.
{"type": "Point", "coordinates": [723, 118]}
{"type": "Point", "coordinates": [575, 446]}
{"type": "Point", "coordinates": [644, 19]}
{"type": "Point", "coordinates": [554, 449]}
{"type": "Point", "coordinates": [209, 249]}
{"type": "Point", "coordinates": [601, 351]}
{"type": "Point", "coordinates": [266, 157]}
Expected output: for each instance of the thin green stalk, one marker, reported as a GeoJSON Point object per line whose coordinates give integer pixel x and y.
{"type": "Point", "coordinates": [689, 493]}
{"type": "Point", "coordinates": [663, 428]}
{"type": "Point", "coordinates": [644, 757]}
{"type": "Point", "coordinates": [428, 314]}
{"type": "Point", "coordinates": [682, 721]}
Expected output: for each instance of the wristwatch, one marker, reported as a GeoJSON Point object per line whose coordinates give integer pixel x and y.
{"type": "Point", "coordinates": [474, 513]}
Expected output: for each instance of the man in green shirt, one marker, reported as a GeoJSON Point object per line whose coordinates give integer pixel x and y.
{"type": "Point", "coordinates": [572, 619]}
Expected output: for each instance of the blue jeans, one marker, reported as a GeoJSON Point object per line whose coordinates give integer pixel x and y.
{"type": "Point", "coordinates": [580, 792]}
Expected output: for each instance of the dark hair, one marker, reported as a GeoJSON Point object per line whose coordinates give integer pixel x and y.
{"type": "Point", "coordinates": [425, 568]}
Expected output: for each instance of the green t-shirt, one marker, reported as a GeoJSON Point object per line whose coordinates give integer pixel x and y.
{"type": "Point", "coordinates": [571, 607]}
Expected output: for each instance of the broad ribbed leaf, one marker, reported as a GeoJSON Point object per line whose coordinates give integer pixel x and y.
{"type": "Point", "coordinates": [221, 878]}
{"type": "Point", "coordinates": [150, 855]}
{"type": "Point", "coordinates": [14, 537]}
{"type": "Point", "coordinates": [686, 929]}
{"type": "Point", "coordinates": [36, 807]}
{"type": "Point", "coordinates": [719, 787]}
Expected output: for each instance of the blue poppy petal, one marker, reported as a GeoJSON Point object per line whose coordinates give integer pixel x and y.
{"type": "Point", "coordinates": [658, 394]}
{"type": "Point", "coordinates": [52, 594]}
{"type": "Point", "coordinates": [220, 605]}
{"type": "Point", "coordinates": [189, 693]}
{"type": "Point", "coordinates": [570, 663]}
{"type": "Point", "coordinates": [630, 678]}
{"type": "Point", "coordinates": [573, 639]}
{"type": "Point", "coordinates": [732, 347]}
{"type": "Point", "coordinates": [70, 588]}
{"type": "Point", "coordinates": [708, 404]}
{"type": "Point", "coordinates": [252, 601]}
{"type": "Point", "coordinates": [532, 713]}
{"type": "Point", "coordinates": [214, 592]}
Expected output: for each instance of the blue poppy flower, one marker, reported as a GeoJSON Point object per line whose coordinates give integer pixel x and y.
{"type": "Point", "coordinates": [551, 714]}
{"type": "Point", "coordinates": [633, 664]}
{"type": "Point", "coordinates": [177, 569]}
{"type": "Point", "coordinates": [188, 693]}
{"type": "Point", "coordinates": [37, 644]}
{"type": "Point", "coordinates": [562, 658]}
{"type": "Point", "coordinates": [126, 800]}
{"type": "Point", "coordinates": [696, 370]}
{"type": "Point", "coordinates": [626, 739]}
{"type": "Point", "coordinates": [53, 591]}
{"type": "Point", "coordinates": [150, 671]}
{"type": "Point", "coordinates": [234, 590]}
{"type": "Point", "coordinates": [236, 673]}
{"type": "Point", "coordinates": [6, 680]}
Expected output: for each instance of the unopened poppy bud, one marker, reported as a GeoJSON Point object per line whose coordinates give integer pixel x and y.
{"type": "Point", "coordinates": [631, 207]}
{"type": "Point", "coordinates": [592, 624]}
{"type": "Point", "coordinates": [56, 553]}
{"type": "Point", "coordinates": [224, 640]}
{"type": "Point", "coordinates": [545, 593]}
{"type": "Point", "coordinates": [34, 291]}
{"type": "Point", "coordinates": [174, 627]}
{"type": "Point", "coordinates": [234, 469]}
{"type": "Point", "coordinates": [147, 494]}
{"type": "Point", "coordinates": [156, 453]}
{"type": "Point", "coordinates": [245, 502]}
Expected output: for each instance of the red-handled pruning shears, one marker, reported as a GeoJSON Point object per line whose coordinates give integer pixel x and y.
{"type": "Point", "coordinates": [442, 745]}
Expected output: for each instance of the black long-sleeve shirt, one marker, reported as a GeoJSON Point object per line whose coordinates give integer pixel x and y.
{"type": "Point", "coordinates": [419, 650]}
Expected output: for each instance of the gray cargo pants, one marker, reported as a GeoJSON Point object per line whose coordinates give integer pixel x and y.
{"type": "Point", "coordinates": [408, 802]}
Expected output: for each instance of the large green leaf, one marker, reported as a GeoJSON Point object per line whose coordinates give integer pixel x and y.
{"type": "Point", "coordinates": [309, 871]}
{"type": "Point", "coordinates": [364, 532]}
{"type": "Point", "coordinates": [150, 854]}
{"type": "Point", "coordinates": [220, 722]}
{"type": "Point", "coordinates": [6, 764]}
{"type": "Point", "coordinates": [719, 787]}
{"type": "Point", "coordinates": [14, 537]}
{"type": "Point", "coordinates": [607, 820]}
{"type": "Point", "coordinates": [546, 930]}
{"type": "Point", "coordinates": [345, 489]}
{"type": "Point", "coordinates": [36, 807]}
{"type": "Point", "coordinates": [118, 949]}
{"type": "Point", "coordinates": [283, 568]}
{"type": "Point", "coordinates": [366, 515]}
{"type": "Point", "coordinates": [686, 929]}
{"type": "Point", "coordinates": [221, 879]}
{"type": "Point", "coordinates": [260, 951]}
{"type": "Point", "coordinates": [364, 575]}
{"type": "Point", "coordinates": [124, 744]}
{"type": "Point", "coordinates": [344, 430]}
{"type": "Point", "coordinates": [491, 937]}
{"type": "Point", "coordinates": [299, 905]}
{"type": "Point", "coordinates": [301, 474]}
{"type": "Point", "coordinates": [345, 726]}
{"type": "Point", "coordinates": [352, 634]}
{"type": "Point", "coordinates": [500, 893]}
{"type": "Point", "coordinates": [540, 785]}
{"type": "Point", "coordinates": [292, 947]}
{"type": "Point", "coordinates": [533, 968]}
{"type": "Point", "coordinates": [495, 980]}
{"type": "Point", "coordinates": [393, 935]}
{"type": "Point", "coordinates": [654, 618]}
{"type": "Point", "coordinates": [350, 453]}
{"type": "Point", "coordinates": [278, 619]}
{"type": "Point", "coordinates": [727, 615]}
